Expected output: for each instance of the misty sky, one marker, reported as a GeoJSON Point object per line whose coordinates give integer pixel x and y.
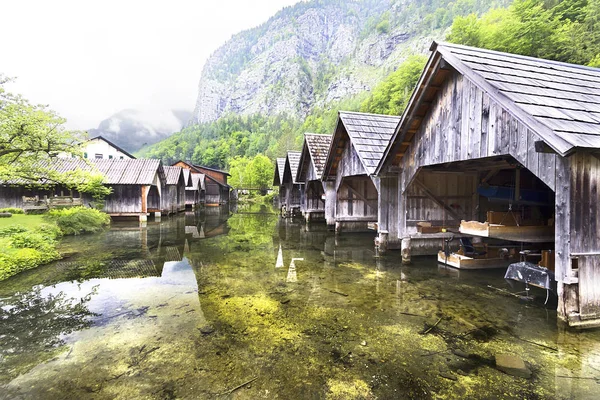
{"type": "Point", "coordinates": [90, 59]}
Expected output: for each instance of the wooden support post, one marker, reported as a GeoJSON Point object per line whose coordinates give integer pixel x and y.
{"type": "Point", "coordinates": [145, 199]}
{"type": "Point", "coordinates": [406, 251]}
{"type": "Point", "coordinates": [330, 203]}
{"type": "Point", "coordinates": [517, 184]}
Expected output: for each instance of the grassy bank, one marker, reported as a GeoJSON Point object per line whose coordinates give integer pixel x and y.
{"type": "Point", "coordinates": [28, 241]}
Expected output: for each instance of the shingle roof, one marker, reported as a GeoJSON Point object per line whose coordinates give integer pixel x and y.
{"type": "Point", "coordinates": [317, 146]}
{"type": "Point", "coordinates": [279, 169]}
{"type": "Point", "coordinates": [187, 177]}
{"type": "Point", "coordinates": [197, 182]}
{"type": "Point", "coordinates": [116, 172]}
{"type": "Point", "coordinates": [293, 158]}
{"type": "Point", "coordinates": [370, 134]}
{"type": "Point", "coordinates": [128, 172]}
{"type": "Point", "coordinates": [172, 174]}
{"type": "Point", "coordinates": [564, 99]}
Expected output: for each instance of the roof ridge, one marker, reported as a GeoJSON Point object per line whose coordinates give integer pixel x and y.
{"type": "Point", "coordinates": [370, 114]}
{"type": "Point", "coordinates": [520, 56]}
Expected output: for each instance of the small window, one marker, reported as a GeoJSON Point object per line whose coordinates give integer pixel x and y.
{"type": "Point", "coordinates": [84, 155]}
{"type": "Point", "coordinates": [110, 156]}
{"type": "Point", "coordinates": [99, 155]}
{"type": "Point", "coordinates": [121, 157]}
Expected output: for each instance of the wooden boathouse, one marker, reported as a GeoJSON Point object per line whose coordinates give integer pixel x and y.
{"type": "Point", "coordinates": [294, 190]}
{"type": "Point", "coordinates": [194, 191]}
{"type": "Point", "coordinates": [278, 180]}
{"type": "Point", "coordinates": [357, 146]}
{"type": "Point", "coordinates": [216, 188]}
{"type": "Point", "coordinates": [136, 186]}
{"type": "Point", "coordinates": [500, 139]}
{"type": "Point", "coordinates": [310, 171]}
{"type": "Point", "coordinates": [173, 198]}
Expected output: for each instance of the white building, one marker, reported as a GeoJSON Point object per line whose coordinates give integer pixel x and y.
{"type": "Point", "coordinates": [101, 148]}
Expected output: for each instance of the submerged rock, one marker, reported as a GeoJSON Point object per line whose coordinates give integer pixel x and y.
{"type": "Point", "coordinates": [512, 365]}
{"type": "Point", "coordinates": [207, 329]}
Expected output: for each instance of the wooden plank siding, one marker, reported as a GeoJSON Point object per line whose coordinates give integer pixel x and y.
{"type": "Point", "coordinates": [504, 134]}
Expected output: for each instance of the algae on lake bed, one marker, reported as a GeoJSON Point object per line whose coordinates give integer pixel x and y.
{"type": "Point", "coordinates": [227, 323]}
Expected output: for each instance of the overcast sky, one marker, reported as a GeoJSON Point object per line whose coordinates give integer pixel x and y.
{"type": "Point", "coordinates": [90, 59]}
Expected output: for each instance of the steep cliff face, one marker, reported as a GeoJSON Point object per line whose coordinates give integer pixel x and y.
{"type": "Point", "coordinates": [321, 51]}
{"type": "Point", "coordinates": [305, 55]}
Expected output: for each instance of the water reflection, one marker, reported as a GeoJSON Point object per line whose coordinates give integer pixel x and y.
{"type": "Point", "coordinates": [198, 293]}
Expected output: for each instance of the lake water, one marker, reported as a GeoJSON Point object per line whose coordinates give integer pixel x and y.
{"type": "Point", "coordinates": [249, 306]}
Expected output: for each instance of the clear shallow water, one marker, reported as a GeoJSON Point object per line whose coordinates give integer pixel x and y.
{"type": "Point", "coordinates": [198, 305]}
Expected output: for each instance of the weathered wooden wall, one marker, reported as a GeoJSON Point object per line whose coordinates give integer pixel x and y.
{"type": "Point", "coordinates": [192, 198]}
{"type": "Point", "coordinates": [356, 193]}
{"type": "Point", "coordinates": [124, 199]}
{"type": "Point", "coordinates": [577, 237]}
{"type": "Point", "coordinates": [357, 199]}
{"type": "Point", "coordinates": [455, 190]}
{"type": "Point", "coordinates": [313, 197]}
{"type": "Point", "coordinates": [464, 123]}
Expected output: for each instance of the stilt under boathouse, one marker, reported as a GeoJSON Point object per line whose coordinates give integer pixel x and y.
{"type": "Point", "coordinates": [511, 143]}
{"type": "Point", "coordinates": [310, 171]}
{"type": "Point", "coordinates": [357, 146]}
{"type": "Point", "coordinates": [173, 198]}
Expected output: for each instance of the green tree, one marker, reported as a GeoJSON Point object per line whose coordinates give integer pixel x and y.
{"type": "Point", "coordinates": [30, 135]}
{"type": "Point", "coordinates": [238, 170]}
{"type": "Point", "coordinates": [31, 138]}
{"type": "Point", "coordinates": [392, 95]}
{"type": "Point", "coordinates": [261, 171]}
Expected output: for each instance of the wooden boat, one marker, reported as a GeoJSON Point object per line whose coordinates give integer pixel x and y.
{"type": "Point", "coordinates": [460, 261]}
{"type": "Point", "coordinates": [530, 234]}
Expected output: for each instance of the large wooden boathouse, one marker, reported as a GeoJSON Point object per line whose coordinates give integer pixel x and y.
{"type": "Point", "coordinates": [499, 139]}
{"type": "Point", "coordinates": [136, 185]}
{"type": "Point", "coordinates": [310, 171]}
{"type": "Point", "coordinates": [357, 146]}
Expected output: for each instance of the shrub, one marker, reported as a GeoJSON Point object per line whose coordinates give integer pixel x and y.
{"type": "Point", "coordinates": [32, 240]}
{"type": "Point", "coordinates": [77, 220]}
{"type": "Point", "coordinates": [11, 230]}
{"type": "Point", "coordinates": [12, 210]}
{"type": "Point", "coordinates": [24, 259]}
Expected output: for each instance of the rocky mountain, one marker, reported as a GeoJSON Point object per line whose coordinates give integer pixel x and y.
{"type": "Point", "coordinates": [134, 129]}
{"type": "Point", "coordinates": [320, 51]}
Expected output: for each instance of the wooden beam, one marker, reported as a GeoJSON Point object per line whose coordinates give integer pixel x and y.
{"type": "Point", "coordinates": [437, 200]}
{"type": "Point", "coordinates": [370, 203]}
{"type": "Point", "coordinates": [490, 175]}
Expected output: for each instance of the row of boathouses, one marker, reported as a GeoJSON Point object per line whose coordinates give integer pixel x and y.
{"type": "Point", "coordinates": [491, 145]}
{"type": "Point", "coordinates": [139, 187]}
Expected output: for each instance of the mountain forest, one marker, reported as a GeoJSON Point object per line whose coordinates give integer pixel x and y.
{"type": "Point", "coordinates": [567, 31]}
